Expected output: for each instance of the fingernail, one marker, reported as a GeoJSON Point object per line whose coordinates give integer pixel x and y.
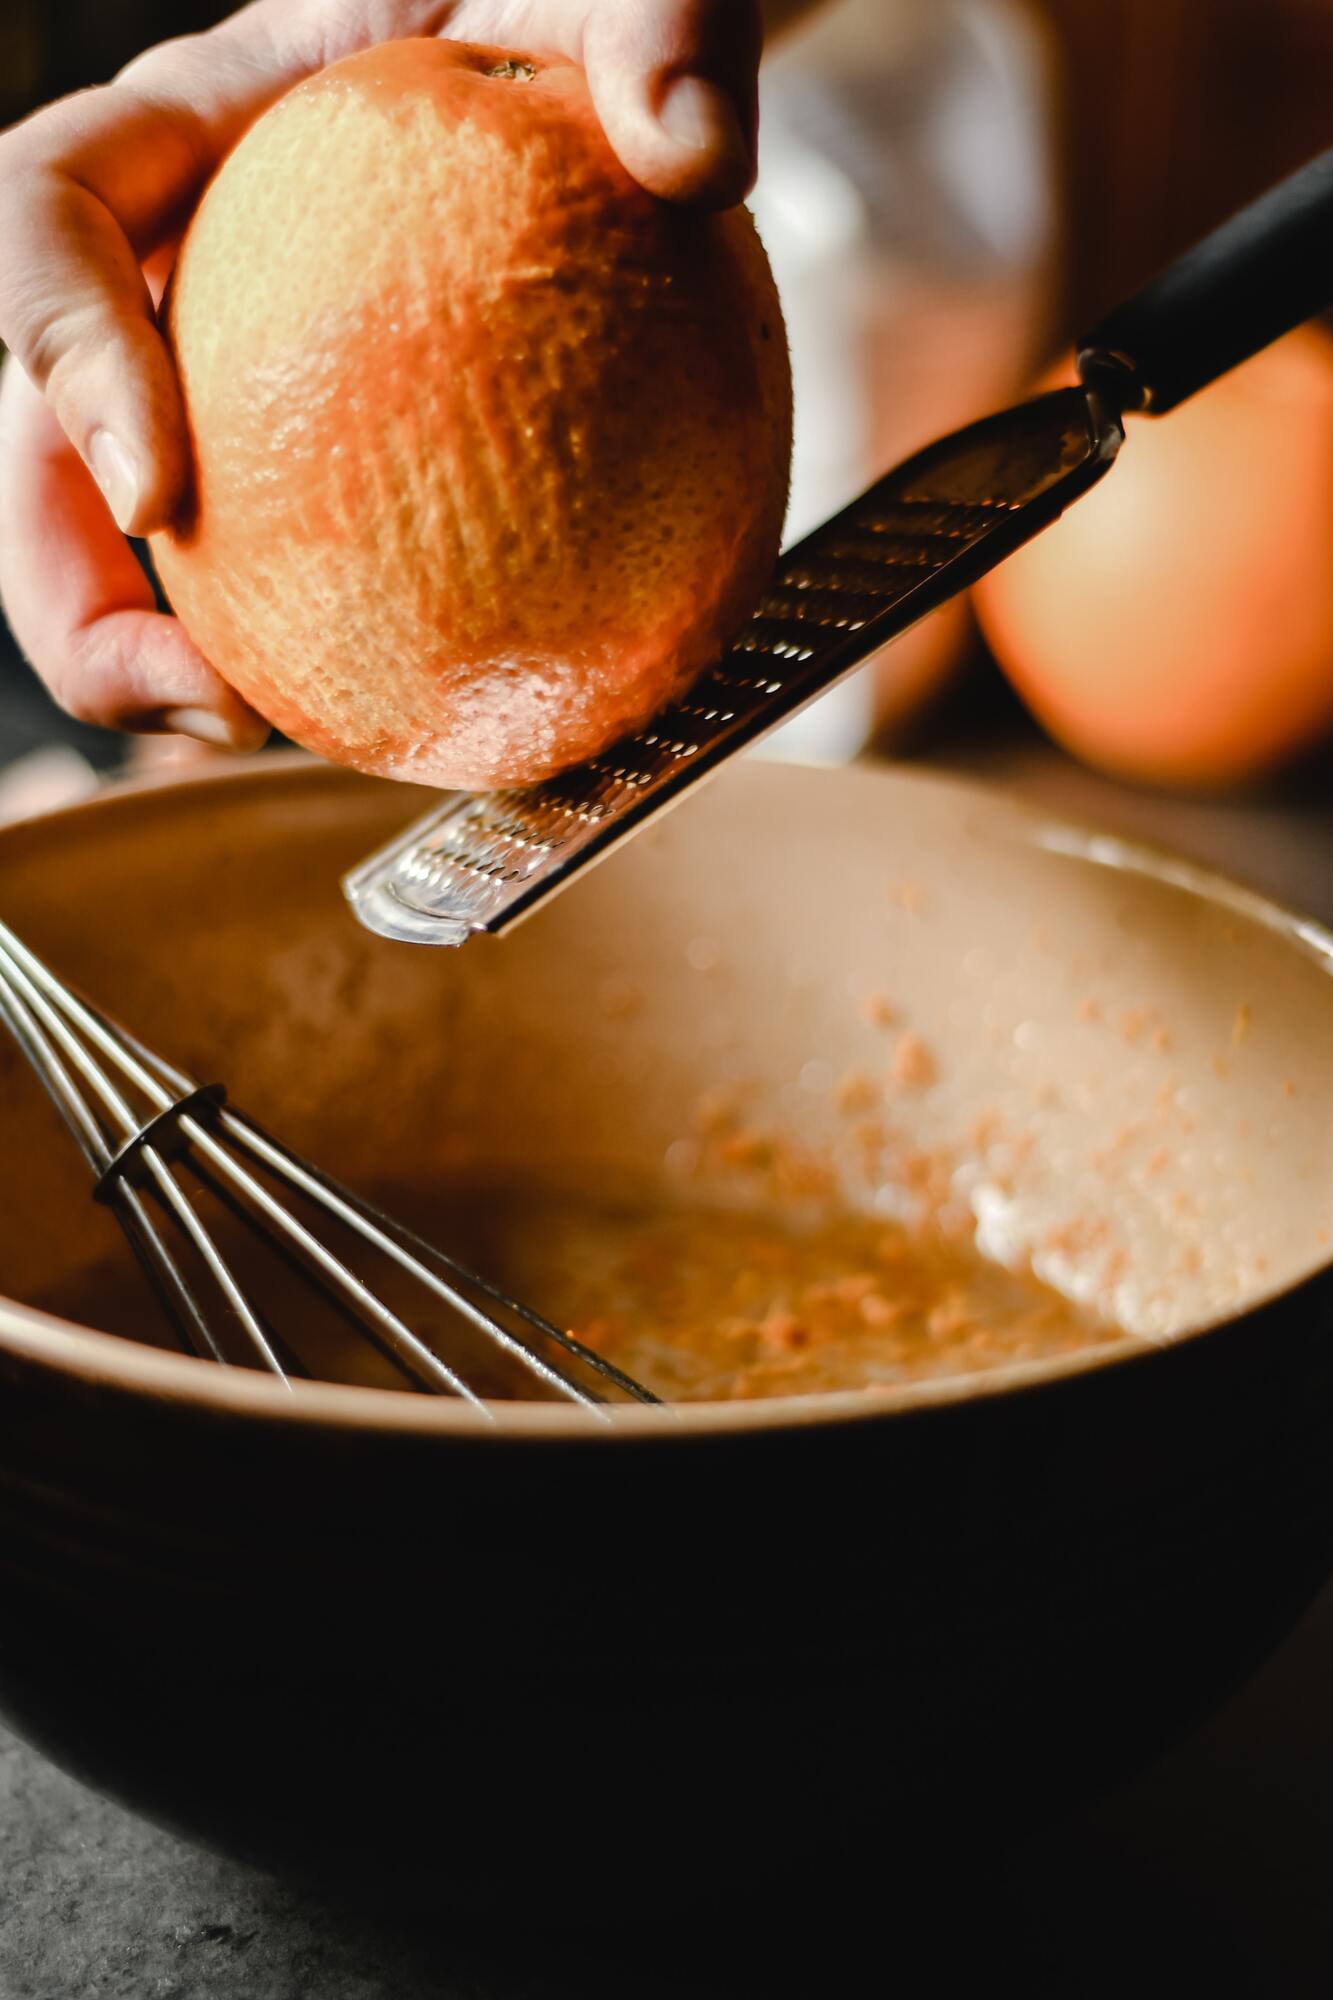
{"type": "Point", "coordinates": [114, 470]}
{"type": "Point", "coordinates": [206, 726]}
{"type": "Point", "coordinates": [701, 115]}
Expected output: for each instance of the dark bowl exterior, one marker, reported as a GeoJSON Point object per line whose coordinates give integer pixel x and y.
{"type": "Point", "coordinates": [460, 1667]}
{"type": "Point", "coordinates": [362, 1636]}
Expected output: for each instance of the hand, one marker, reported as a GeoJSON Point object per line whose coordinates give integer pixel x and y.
{"type": "Point", "coordinates": [94, 192]}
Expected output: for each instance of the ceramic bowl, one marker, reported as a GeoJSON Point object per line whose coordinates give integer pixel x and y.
{"type": "Point", "coordinates": [362, 1630]}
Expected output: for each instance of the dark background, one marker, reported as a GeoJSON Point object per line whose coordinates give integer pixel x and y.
{"type": "Point", "coordinates": [1172, 112]}
{"type": "Point", "coordinates": [1167, 115]}
{"type": "Point", "coordinates": [1211, 1872]}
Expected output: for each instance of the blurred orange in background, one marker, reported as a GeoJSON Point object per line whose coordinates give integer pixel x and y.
{"type": "Point", "coordinates": [1207, 659]}
{"type": "Point", "coordinates": [1176, 626]}
{"type": "Point", "coordinates": [951, 188]}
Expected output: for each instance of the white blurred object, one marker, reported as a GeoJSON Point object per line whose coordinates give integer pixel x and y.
{"type": "Point", "coordinates": [43, 781]}
{"type": "Point", "coordinates": [904, 197]}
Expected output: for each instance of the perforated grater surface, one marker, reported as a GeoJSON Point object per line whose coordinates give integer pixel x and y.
{"type": "Point", "coordinates": [484, 861]}
{"type": "Point", "coordinates": [916, 538]}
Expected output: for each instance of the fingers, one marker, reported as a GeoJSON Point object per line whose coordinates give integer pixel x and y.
{"type": "Point", "coordinates": [87, 190]}
{"type": "Point", "coordinates": [93, 187]}
{"type": "Point", "coordinates": [90, 190]}
{"type": "Point", "coordinates": [90, 187]}
{"type": "Point", "coordinates": [83, 328]}
{"type": "Point", "coordinates": [675, 83]}
{"type": "Point", "coordinates": [79, 604]}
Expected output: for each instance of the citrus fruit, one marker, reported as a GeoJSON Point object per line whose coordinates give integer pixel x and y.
{"type": "Point", "coordinates": [491, 446]}
{"type": "Point", "coordinates": [1176, 626]}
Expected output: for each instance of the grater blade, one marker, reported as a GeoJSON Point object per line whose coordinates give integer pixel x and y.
{"type": "Point", "coordinates": [929, 529]}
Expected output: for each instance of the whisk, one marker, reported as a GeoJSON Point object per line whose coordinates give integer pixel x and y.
{"type": "Point", "coordinates": [139, 1122]}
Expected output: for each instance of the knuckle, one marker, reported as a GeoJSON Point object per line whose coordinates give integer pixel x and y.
{"type": "Point", "coordinates": [87, 351]}
{"type": "Point", "coordinates": [155, 64]}
{"type": "Point", "coordinates": [19, 186]}
{"type": "Point", "coordinates": [83, 675]}
{"type": "Point", "coordinates": [21, 143]}
{"type": "Point", "coordinates": [73, 696]}
{"type": "Point", "coordinates": [80, 707]}
{"type": "Point", "coordinates": [60, 347]}
{"type": "Point", "coordinates": [76, 685]}
{"type": "Point", "coordinates": [158, 82]}
{"type": "Point", "coordinates": [38, 141]}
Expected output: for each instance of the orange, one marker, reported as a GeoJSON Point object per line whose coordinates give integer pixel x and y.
{"type": "Point", "coordinates": [491, 446]}
{"type": "Point", "coordinates": [1176, 626]}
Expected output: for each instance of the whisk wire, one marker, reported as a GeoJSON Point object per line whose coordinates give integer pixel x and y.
{"type": "Point", "coordinates": [399, 1243]}
{"type": "Point", "coordinates": [415, 1254]}
{"type": "Point", "coordinates": [178, 1301]}
{"type": "Point", "coordinates": [31, 994]}
{"type": "Point", "coordinates": [60, 1033]}
{"type": "Point", "coordinates": [377, 1230]}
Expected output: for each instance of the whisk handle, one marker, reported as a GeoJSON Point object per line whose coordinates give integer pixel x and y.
{"type": "Point", "coordinates": [1265, 271]}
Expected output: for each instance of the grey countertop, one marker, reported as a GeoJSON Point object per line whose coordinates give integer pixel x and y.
{"type": "Point", "coordinates": [1209, 1872]}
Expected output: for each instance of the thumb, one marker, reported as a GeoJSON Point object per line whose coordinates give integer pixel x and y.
{"type": "Point", "coordinates": [675, 83]}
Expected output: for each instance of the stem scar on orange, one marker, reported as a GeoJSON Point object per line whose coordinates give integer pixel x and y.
{"type": "Point", "coordinates": [491, 446]}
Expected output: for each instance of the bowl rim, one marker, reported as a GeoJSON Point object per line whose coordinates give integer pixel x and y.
{"type": "Point", "coordinates": [105, 1360]}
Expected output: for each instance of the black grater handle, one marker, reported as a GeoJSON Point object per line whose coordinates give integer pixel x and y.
{"type": "Point", "coordinates": [1257, 276]}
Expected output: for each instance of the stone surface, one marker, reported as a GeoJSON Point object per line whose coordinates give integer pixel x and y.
{"type": "Point", "coordinates": [1207, 1874]}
